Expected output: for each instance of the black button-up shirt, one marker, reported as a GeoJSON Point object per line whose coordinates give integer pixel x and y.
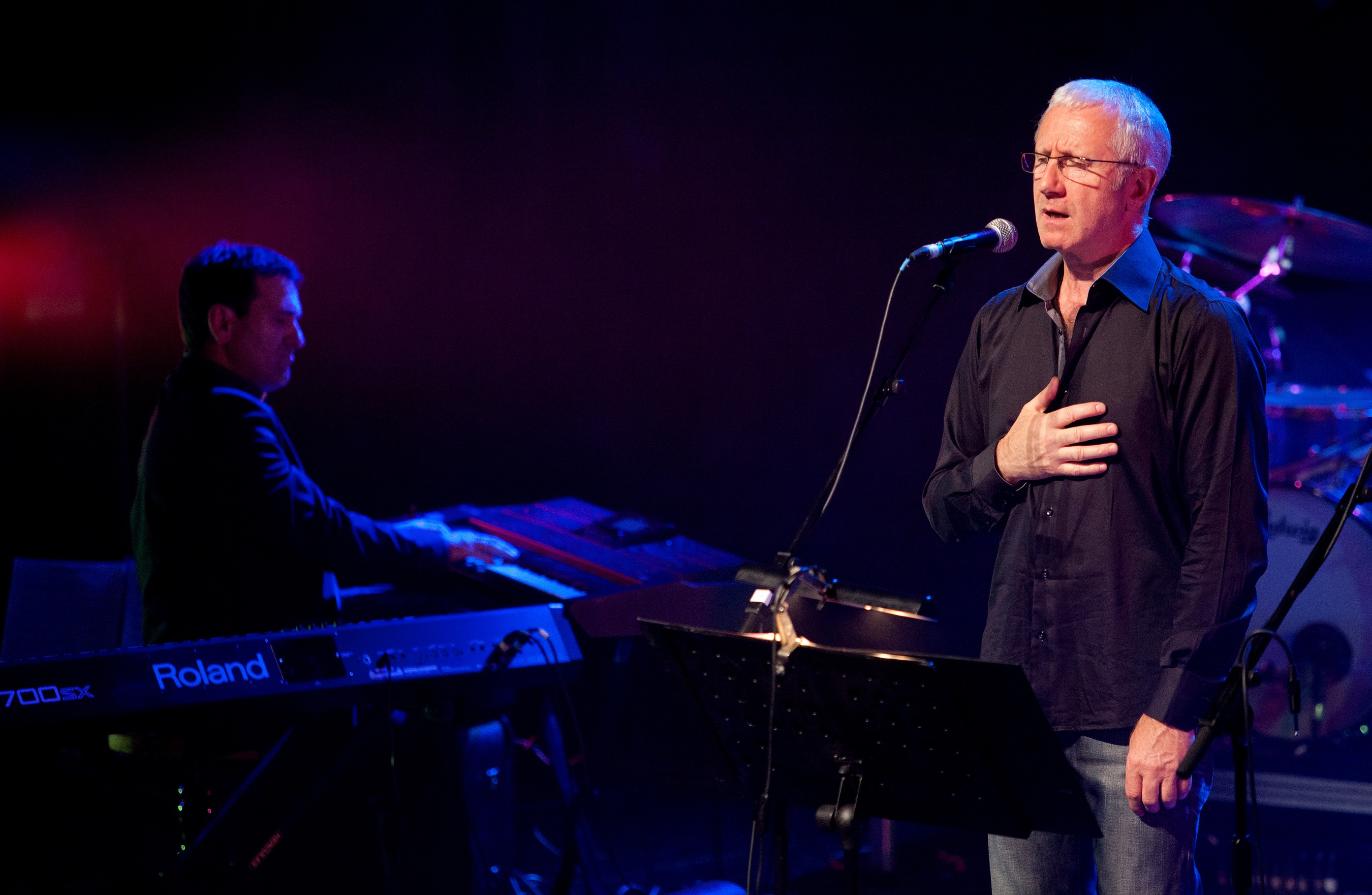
{"type": "Point", "coordinates": [231, 535]}
{"type": "Point", "coordinates": [1127, 592]}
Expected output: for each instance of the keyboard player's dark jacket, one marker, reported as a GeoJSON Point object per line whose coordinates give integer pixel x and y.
{"type": "Point", "coordinates": [230, 534]}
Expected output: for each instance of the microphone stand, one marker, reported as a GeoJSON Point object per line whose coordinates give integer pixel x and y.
{"type": "Point", "coordinates": [772, 596]}
{"type": "Point", "coordinates": [785, 561]}
{"type": "Point", "coordinates": [1227, 715]}
{"type": "Point", "coordinates": [876, 399]}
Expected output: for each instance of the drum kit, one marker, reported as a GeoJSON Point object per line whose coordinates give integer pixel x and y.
{"type": "Point", "coordinates": [1318, 437]}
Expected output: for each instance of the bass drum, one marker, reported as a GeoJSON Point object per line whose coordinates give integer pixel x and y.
{"type": "Point", "coordinates": [1329, 629]}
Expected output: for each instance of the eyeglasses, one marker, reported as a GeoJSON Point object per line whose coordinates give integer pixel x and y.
{"type": "Point", "coordinates": [1037, 164]}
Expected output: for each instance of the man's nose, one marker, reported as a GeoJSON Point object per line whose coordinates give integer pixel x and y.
{"type": "Point", "coordinates": [1051, 181]}
{"type": "Point", "coordinates": [299, 337]}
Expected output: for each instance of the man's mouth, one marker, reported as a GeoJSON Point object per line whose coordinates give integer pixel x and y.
{"type": "Point", "coordinates": [1058, 215]}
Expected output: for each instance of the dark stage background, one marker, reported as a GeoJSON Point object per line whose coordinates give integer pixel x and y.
{"type": "Point", "coordinates": [632, 252]}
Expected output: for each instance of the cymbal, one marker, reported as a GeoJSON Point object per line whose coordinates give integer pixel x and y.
{"type": "Point", "coordinates": [1219, 271]}
{"type": "Point", "coordinates": [1324, 244]}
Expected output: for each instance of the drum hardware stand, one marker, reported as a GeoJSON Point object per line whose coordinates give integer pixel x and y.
{"type": "Point", "coordinates": [1276, 263]}
{"type": "Point", "coordinates": [1227, 715]}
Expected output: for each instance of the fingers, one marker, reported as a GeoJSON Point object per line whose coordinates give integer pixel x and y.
{"type": "Point", "coordinates": [492, 546]}
{"type": "Point", "coordinates": [1075, 458]}
{"type": "Point", "coordinates": [1084, 453]}
{"type": "Point", "coordinates": [1145, 799]}
{"type": "Point", "coordinates": [1042, 444]}
{"type": "Point", "coordinates": [482, 547]}
{"type": "Point", "coordinates": [1081, 459]}
{"type": "Point", "coordinates": [1133, 791]}
{"type": "Point", "coordinates": [1044, 399]}
{"type": "Point", "coordinates": [1066, 416]}
{"type": "Point", "coordinates": [1148, 794]}
{"type": "Point", "coordinates": [1094, 432]}
{"type": "Point", "coordinates": [1150, 769]}
{"type": "Point", "coordinates": [498, 548]}
{"type": "Point", "coordinates": [1168, 792]}
{"type": "Point", "coordinates": [1081, 470]}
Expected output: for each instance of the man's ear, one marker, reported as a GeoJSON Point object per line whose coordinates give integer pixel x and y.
{"type": "Point", "coordinates": [1141, 184]}
{"type": "Point", "coordinates": [222, 320]}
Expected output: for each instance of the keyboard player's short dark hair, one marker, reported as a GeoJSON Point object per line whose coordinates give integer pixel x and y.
{"type": "Point", "coordinates": [225, 274]}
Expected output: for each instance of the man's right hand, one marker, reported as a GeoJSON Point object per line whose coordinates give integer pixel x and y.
{"type": "Point", "coordinates": [474, 548]}
{"type": "Point", "coordinates": [462, 545]}
{"type": "Point", "coordinates": [1041, 444]}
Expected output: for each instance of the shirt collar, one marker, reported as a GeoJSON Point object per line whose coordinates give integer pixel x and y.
{"type": "Point", "coordinates": [1133, 273]}
{"type": "Point", "coordinates": [212, 375]}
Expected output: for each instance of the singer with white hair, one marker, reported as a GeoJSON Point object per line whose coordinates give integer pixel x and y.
{"type": "Point", "coordinates": [1106, 420]}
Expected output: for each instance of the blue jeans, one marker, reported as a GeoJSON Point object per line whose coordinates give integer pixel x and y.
{"type": "Point", "coordinates": [1154, 854]}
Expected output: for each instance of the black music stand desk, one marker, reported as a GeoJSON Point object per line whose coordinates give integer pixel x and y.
{"type": "Point", "coordinates": [938, 740]}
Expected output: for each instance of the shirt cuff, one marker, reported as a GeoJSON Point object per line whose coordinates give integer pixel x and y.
{"type": "Point", "coordinates": [989, 485]}
{"type": "Point", "coordinates": [1181, 698]}
{"type": "Point", "coordinates": [418, 549]}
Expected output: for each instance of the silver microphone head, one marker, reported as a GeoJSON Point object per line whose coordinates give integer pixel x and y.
{"type": "Point", "coordinates": [1007, 233]}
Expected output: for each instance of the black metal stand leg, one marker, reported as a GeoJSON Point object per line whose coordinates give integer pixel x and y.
{"type": "Point", "coordinates": [842, 818]}
{"type": "Point", "coordinates": [1241, 848]}
{"type": "Point", "coordinates": [852, 856]}
{"type": "Point", "coordinates": [571, 801]}
{"type": "Point", "coordinates": [781, 878]}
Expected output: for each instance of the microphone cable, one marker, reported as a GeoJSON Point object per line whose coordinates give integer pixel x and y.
{"type": "Point", "coordinates": [941, 286]}
{"type": "Point", "coordinates": [862, 404]}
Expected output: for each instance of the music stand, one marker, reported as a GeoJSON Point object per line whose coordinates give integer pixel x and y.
{"type": "Point", "coordinates": [934, 739]}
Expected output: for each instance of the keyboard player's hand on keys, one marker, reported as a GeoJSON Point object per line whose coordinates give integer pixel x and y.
{"type": "Point", "coordinates": [426, 531]}
{"type": "Point", "coordinates": [465, 547]}
{"type": "Point", "coordinates": [472, 547]}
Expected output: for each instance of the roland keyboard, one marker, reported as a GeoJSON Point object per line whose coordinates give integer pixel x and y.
{"type": "Point", "coordinates": [607, 568]}
{"type": "Point", "coordinates": [135, 681]}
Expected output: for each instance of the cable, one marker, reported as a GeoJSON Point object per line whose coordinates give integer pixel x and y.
{"type": "Point", "coordinates": [504, 652]}
{"type": "Point", "coordinates": [500, 658]}
{"type": "Point", "coordinates": [866, 393]}
{"type": "Point", "coordinates": [580, 793]}
{"type": "Point", "coordinates": [872, 401]}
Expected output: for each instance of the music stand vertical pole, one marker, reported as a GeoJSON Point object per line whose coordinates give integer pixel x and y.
{"type": "Point", "coordinates": [781, 880]}
{"type": "Point", "coordinates": [1241, 847]}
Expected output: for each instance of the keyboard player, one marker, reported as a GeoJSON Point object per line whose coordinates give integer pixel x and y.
{"type": "Point", "coordinates": [230, 533]}
{"type": "Point", "coordinates": [232, 536]}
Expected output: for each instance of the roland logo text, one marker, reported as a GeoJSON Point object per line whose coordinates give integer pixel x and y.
{"type": "Point", "coordinates": [212, 674]}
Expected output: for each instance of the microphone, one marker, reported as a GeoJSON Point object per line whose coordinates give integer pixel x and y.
{"type": "Point", "coordinates": [999, 236]}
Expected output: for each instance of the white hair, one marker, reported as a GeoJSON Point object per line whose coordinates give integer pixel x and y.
{"type": "Point", "coordinates": [1141, 133]}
